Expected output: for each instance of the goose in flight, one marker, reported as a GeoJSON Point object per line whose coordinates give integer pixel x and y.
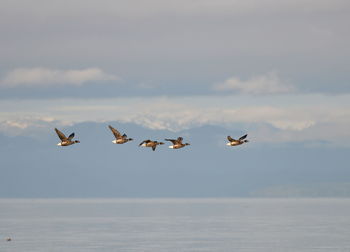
{"type": "Point", "coordinates": [149, 143]}
{"type": "Point", "coordinates": [177, 143]}
{"type": "Point", "coordinates": [234, 142]}
{"type": "Point", "coordinates": [65, 141]}
{"type": "Point", "coordinates": [119, 138]}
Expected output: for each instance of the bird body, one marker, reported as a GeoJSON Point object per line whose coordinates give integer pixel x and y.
{"type": "Point", "coordinates": [177, 143]}
{"type": "Point", "coordinates": [119, 138]}
{"type": "Point", "coordinates": [235, 142]}
{"type": "Point", "coordinates": [66, 141]}
{"type": "Point", "coordinates": [150, 143]}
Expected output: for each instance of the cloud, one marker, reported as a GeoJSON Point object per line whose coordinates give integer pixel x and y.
{"type": "Point", "coordinates": [40, 76]}
{"type": "Point", "coordinates": [292, 125]}
{"type": "Point", "coordinates": [269, 83]}
{"type": "Point", "coordinates": [29, 125]}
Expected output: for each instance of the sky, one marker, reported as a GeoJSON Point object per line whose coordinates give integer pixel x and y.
{"type": "Point", "coordinates": [277, 70]}
{"type": "Point", "coordinates": [177, 64]}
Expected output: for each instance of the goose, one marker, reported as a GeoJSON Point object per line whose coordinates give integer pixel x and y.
{"type": "Point", "coordinates": [234, 142]}
{"type": "Point", "coordinates": [65, 141]}
{"type": "Point", "coordinates": [119, 138]}
{"type": "Point", "coordinates": [177, 143]}
{"type": "Point", "coordinates": [149, 143]}
{"type": "Point", "coordinates": [8, 239]}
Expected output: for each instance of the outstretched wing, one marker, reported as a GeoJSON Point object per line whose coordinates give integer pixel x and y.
{"type": "Point", "coordinates": [145, 141]}
{"type": "Point", "coordinates": [115, 132]}
{"type": "Point", "coordinates": [71, 136]}
{"type": "Point", "coordinates": [154, 147]}
{"type": "Point", "coordinates": [60, 135]}
{"type": "Point", "coordinates": [243, 137]}
{"type": "Point", "coordinates": [171, 140]}
{"type": "Point", "coordinates": [230, 139]}
{"type": "Point", "coordinates": [179, 140]}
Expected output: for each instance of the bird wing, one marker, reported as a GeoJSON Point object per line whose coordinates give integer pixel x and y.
{"type": "Point", "coordinates": [243, 137]}
{"type": "Point", "coordinates": [60, 135]}
{"type": "Point", "coordinates": [145, 141]}
{"type": "Point", "coordinates": [230, 139]}
{"type": "Point", "coordinates": [171, 140]}
{"type": "Point", "coordinates": [179, 140]}
{"type": "Point", "coordinates": [71, 136]}
{"type": "Point", "coordinates": [115, 132]}
{"type": "Point", "coordinates": [154, 147]}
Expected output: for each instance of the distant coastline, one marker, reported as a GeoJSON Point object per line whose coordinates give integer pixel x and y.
{"type": "Point", "coordinates": [311, 190]}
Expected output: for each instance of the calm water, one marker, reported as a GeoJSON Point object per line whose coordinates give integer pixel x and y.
{"type": "Point", "coordinates": [175, 225]}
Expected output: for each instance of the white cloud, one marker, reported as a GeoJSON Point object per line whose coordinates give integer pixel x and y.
{"type": "Point", "coordinates": [297, 125]}
{"type": "Point", "coordinates": [29, 125]}
{"type": "Point", "coordinates": [40, 76]}
{"type": "Point", "coordinates": [269, 83]}
{"type": "Point", "coordinates": [15, 124]}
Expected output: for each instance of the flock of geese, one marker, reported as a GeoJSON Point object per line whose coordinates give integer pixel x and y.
{"type": "Point", "coordinates": [121, 139]}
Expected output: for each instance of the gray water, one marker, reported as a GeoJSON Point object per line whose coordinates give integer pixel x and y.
{"type": "Point", "coordinates": [69, 225]}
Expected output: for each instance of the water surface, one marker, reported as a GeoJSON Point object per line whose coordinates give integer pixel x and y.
{"type": "Point", "coordinates": [249, 225]}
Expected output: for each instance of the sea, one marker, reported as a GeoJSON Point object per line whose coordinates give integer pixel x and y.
{"type": "Point", "coordinates": [163, 224]}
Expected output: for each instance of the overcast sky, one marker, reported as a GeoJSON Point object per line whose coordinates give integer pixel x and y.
{"type": "Point", "coordinates": [177, 64]}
